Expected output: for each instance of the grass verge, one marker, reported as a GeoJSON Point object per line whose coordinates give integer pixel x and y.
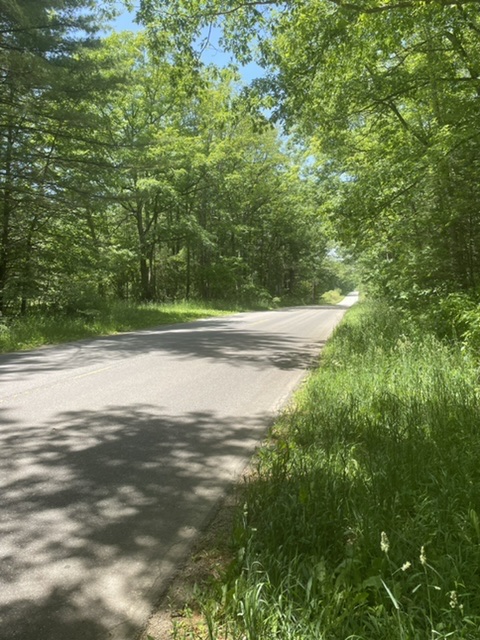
{"type": "Point", "coordinates": [362, 518]}
{"type": "Point", "coordinates": [37, 330]}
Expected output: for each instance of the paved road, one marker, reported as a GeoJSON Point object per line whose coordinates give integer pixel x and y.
{"type": "Point", "coordinates": [114, 452]}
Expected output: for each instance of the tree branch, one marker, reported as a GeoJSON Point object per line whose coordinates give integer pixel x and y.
{"type": "Point", "coordinates": [406, 4]}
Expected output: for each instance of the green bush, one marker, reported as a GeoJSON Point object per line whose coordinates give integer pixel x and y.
{"type": "Point", "coordinates": [331, 297]}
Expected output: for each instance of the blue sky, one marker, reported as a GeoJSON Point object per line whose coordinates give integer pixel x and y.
{"type": "Point", "coordinates": [125, 22]}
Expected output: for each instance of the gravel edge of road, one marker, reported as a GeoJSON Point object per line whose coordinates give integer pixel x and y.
{"type": "Point", "coordinates": [209, 554]}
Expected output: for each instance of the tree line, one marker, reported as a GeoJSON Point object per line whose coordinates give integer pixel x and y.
{"type": "Point", "coordinates": [386, 94]}
{"type": "Point", "coordinates": [129, 170]}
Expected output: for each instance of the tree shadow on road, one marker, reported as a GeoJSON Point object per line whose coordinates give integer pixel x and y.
{"type": "Point", "coordinates": [213, 341]}
{"type": "Point", "coordinates": [99, 504]}
{"type": "Point", "coordinates": [98, 508]}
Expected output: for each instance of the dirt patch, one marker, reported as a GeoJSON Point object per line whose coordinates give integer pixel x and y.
{"type": "Point", "coordinates": [178, 613]}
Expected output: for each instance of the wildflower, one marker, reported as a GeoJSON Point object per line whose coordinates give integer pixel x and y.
{"type": "Point", "coordinates": [384, 543]}
{"type": "Point", "coordinates": [406, 565]}
{"type": "Point", "coordinates": [453, 599]}
{"type": "Point", "coordinates": [423, 556]}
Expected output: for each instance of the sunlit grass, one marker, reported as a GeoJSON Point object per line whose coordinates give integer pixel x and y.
{"type": "Point", "coordinates": [362, 518]}
{"type": "Point", "coordinates": [332, 297]}
{"type": "Point", "coordinates": [38, 330]}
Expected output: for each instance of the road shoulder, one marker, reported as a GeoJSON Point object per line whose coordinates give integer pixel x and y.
{"type": "Point", "coordinates": [211, 553]}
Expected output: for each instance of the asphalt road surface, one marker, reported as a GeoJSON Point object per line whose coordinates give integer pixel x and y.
{"type": "Point", "coordinates": [115, 451]}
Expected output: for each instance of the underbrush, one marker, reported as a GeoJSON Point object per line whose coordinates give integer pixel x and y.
{"type": "Point", "coordinates": [361, 520]}
{"type": "Point", "coordinates": [40, 329]}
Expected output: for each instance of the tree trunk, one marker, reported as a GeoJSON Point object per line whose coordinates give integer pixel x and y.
{"type": "Point", "coordinates": [5, 217]}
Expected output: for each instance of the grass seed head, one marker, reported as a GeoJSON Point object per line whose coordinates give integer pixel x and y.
{"type": "Point", "coordinates": [384, 542]}
{"type": "Point", "coordinates": [423, 556]}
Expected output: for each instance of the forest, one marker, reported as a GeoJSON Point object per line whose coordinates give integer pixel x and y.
{"type": "Point", "coordinates": [132, 171]}
{"type": "Point", "coordinates": [384, 95]}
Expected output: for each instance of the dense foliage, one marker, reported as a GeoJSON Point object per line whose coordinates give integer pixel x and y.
{"type": "Point", "coordinates": [46, 137]}
{"type": "Point", "coordinates": [129, 169]}
{"type": "Point", "coordinates": [386, 94]}
{"type": "Point", "coordinates": [131, 172]}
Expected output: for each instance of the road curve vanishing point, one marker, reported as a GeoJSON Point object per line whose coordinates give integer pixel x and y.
{"type": "Point", "coordinates": [115, 451]}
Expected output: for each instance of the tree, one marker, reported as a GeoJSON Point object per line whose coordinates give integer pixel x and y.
{"type": "Point", "coordinates": [200, 179]}
{"type": "Point", "coordinates": [397, 135]}
{"type": "Point", "coordinates": [45, 80]}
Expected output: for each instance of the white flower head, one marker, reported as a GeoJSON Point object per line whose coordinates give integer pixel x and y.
{"type": "Point", "coordinates": [384, 542]}
{"type": "Point", "coordinates": [423, 556]}
{"type": "Point", "coordinates": [453, 599]}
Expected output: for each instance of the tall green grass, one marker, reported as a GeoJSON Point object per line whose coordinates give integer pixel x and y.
{"type": "Point", "coordinates": [362, 519]}
{"type": "Point", "coordinates": [40, 329]}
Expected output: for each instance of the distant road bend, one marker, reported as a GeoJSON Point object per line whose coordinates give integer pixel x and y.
{"type": "Point", "coordinates": [114, 452]}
